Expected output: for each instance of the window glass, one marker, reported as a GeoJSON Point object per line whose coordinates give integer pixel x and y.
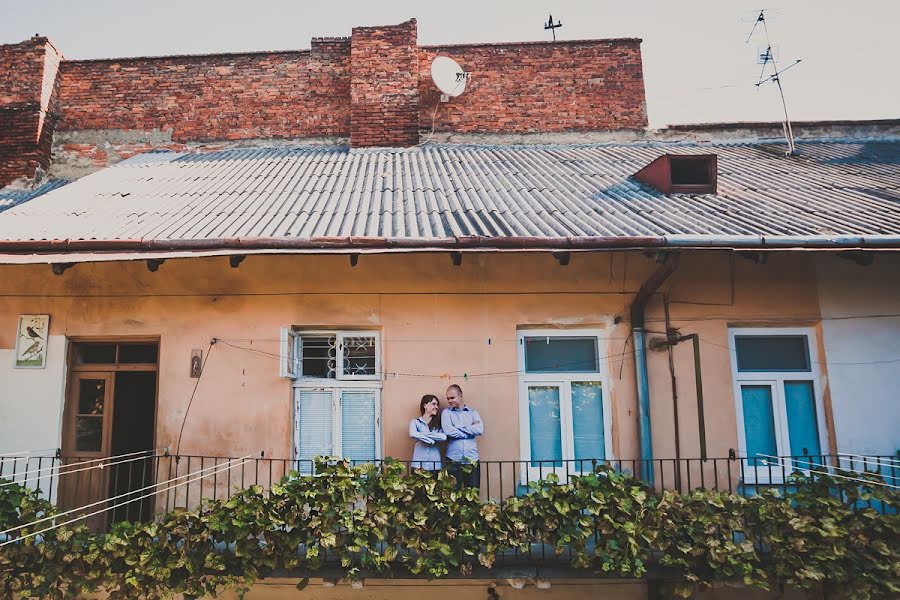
{"type": "Point", "coordinates": [587, 421]}
{"type": "Point", "coordinates": [359, 355]}
{"type": "Point", "coordinates": [560, 354]}
{"type": "Point", "coordinates": [803, 430]}
{"type": "Point", "coordinates": [91, 395]}
{"type": "Point", "coordinates": [772, 353]}
{"type": "Point", "coordinates": [759, 423]}
{"type": "Point", "coordinates": [95, 354]}
{"type": "Point", "coordinates": [358, 425]}
{"type": "Point", "coordinates": [318, 356]}
{"type": "Point", "coordinates": [314, 412]}
{"type": "Point", "coordinates": [89, 434]}
{"type": "Point", "coordinates": [686, 170]}
{"type": "Point", "coordinates": [545, 425]}
{"type": "Point", "coordinates": [137, 353]}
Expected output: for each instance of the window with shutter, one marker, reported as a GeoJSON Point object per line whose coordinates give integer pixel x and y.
{"type": "Point", "coordinates": [337, 394]}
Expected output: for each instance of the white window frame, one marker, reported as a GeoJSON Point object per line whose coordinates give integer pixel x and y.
{"type": "Point", "coordinates": [292, 368]}
{"type": "Point", "coordinates": [292, 347]}
{"type": "Point", "coordinates": [776, 379]}
{"type": "Point", "coordinates": [564, 380]}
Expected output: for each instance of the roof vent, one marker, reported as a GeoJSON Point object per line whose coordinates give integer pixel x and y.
{"type": "Point", "coordinates": [681, 174]}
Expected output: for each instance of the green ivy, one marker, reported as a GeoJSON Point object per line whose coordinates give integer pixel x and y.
{"type": "Point", "coordinates": [383, 520]}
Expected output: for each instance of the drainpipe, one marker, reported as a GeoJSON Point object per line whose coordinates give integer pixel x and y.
{"type": "Point", "coordinates": [638, 306]}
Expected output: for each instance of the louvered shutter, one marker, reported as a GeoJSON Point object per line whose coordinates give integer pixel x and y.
{"type": "Point", "coordinates": [358, 425]}
{"type": "Point", "coordinates": [315, 414]}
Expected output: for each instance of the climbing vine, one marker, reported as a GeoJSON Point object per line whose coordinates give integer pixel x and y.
{"type": "Point", "coordinates": [382, 521]}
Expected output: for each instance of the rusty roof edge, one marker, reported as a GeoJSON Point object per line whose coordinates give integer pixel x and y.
{"type": "Point", "coordinates": [326, 244]}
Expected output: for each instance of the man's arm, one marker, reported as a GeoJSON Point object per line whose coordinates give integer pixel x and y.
{"type": "Point", "coordinates": [477, 426]}
{"type": "Point", "coordinates": [450, 430]}
{"type": "Point", "coordinates": [416, 435]}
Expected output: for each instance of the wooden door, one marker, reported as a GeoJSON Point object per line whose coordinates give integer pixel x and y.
{"type": "Point", "coordinates": [87, 435]}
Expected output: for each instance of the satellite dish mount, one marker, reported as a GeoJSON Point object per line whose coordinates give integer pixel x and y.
{"type": "Point", "coordinates": [449, 77]}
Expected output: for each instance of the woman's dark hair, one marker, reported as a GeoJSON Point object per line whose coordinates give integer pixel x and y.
{"type": "Point", "coordinates": [435, 422]}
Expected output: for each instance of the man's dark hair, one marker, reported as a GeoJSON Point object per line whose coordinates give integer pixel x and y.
{"type": "Point", "coordinates": [453, 386]}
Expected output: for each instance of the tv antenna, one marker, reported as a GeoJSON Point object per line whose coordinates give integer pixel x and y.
{"type": "Point", "coordinates": [765, 58]}
{"type": "Point", "coordinates": [552, 26]}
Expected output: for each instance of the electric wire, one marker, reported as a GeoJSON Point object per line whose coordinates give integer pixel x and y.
{"type": "Point", "coordinates": [85, 516]}
{"type": "Point", "coordinates": [83, 466]}
{"type": "Point", "coordinates": [122, 495]}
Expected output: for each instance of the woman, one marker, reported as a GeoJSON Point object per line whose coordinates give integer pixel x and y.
{"type": "Point", "coordinates": [426, 430]}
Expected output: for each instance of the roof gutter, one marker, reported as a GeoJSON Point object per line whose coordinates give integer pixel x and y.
{"type": "Point", "coordinates": [458, 243]}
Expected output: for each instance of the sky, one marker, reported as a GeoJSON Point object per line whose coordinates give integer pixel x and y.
{"type": "Point", "coordinates": [698, 66]}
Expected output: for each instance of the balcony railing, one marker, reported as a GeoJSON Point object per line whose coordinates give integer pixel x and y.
{"type": "Point", "coordinates": [135, 487]}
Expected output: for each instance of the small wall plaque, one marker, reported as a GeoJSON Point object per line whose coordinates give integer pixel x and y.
{"type": "Point", "coordinates": [196, 363]}
{"type": "Point", "coordinates": [31, 341]}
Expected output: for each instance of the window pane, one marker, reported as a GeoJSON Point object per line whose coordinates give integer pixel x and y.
{"type": "Point", "coordinates": [88, 434]}
{"type": "Point", "coordinates": [587, 421]}
{"type": "Point", "coordinates": [95, 354]}
{"type": "Point", "coordinates": [359, 355]}
{"type": "Point", "coordinates": [358, 426]}
{"type": "Point", "coordinates": [759, 422]}
{"type": "Point", "coordinates": [560, 354]}
{"type": "Point", "coordinates": [544, 420]}
{"type": "Point", "coordinates": [772, 353]}
{"type": "Point", "coordinates": [803, 431]}
{"type": "Point", "coordinates": [314, 411]}
{"type": "Point", "coordinates": [91, 393]}
{"type": "Point", "coordinates": [137, 353]}
{"type": "Point", "coordinates": [318, 355]}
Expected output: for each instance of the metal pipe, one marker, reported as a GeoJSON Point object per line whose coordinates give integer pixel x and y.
{"type": "Point", "coordinates": [698, 377]}
{"type": "Point", "coordinates": [642, 380]}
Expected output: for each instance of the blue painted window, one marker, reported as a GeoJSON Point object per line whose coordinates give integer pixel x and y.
{"type": "Point", "coordinates": [587, 420]}
{"type": "Point", "coordinates": [800, 403]}
{"type": "Point", "coordinates": [545, 421]}
{"type": "Point", "coordinates": [759, 422]}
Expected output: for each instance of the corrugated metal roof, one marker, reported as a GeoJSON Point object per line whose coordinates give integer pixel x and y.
{"type": "Point", "coordinates": [10, 197]}
{"type": "Point", "coordinates": [443, 192]}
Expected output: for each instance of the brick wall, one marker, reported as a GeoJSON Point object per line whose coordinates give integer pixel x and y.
{"type": "Point", "coordinates": [384, 80]}
{"type": "Point", "coordinates": [373, 87]}
{"type": "Point", "coordinates": [28, 94]}
{"type": "Point", "coordinates": [539, 87]}
{"type": "Point", "coordinates": [236, 96]}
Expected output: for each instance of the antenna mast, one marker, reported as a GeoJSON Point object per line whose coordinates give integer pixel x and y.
{"type": "Point", "coordinates": [769, 57]}
{"type": "Point", "coordinates": [552, 26]}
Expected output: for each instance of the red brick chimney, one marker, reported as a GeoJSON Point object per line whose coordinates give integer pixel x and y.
{"type": "Point", "coordinates": [28, 94]}
{"type": "Point", "coordinates": [384, 86]}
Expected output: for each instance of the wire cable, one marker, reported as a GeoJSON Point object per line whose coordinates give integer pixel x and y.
{"type": "Point", "coordinates": [123, 495]}
{"type": "Point", "coordinates": [79, 518]}
{"type": "Point", "coordinates": [783, 464]}
{"type": "Point", "coordinates": [83, 467]}
{"type": "Point", "coordinates": [212, 343]}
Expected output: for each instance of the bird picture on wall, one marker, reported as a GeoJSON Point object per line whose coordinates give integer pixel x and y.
{"type": "Point", "coordinates": [31, 341]}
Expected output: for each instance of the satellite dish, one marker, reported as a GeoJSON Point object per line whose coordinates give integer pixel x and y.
{"type": "Point", "coordinates": [448, 76]}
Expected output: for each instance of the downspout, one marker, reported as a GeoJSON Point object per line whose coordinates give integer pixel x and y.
{"type": "Point", "coordinates": [642, 381]}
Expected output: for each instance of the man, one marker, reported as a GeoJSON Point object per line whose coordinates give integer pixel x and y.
{"type": "Point", "coordinates": [462, 425]}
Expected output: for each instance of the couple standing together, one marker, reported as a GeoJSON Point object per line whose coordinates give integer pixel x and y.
{"type": "Point", "coordinates": [457, 423]}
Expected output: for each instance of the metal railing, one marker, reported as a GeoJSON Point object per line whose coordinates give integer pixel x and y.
{"type": "Point", "coordinates": [139, 487]}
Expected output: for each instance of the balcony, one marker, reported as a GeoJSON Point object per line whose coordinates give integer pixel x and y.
{"type": "Point", "coordinates": [259, 515]}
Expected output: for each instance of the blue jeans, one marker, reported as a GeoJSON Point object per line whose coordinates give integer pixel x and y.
{"type": "Point", "coordinates": [467, 473]}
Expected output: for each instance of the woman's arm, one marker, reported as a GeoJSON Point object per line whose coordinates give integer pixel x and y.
{"type": "Point", "coordinates": [437, 435]}
{"type": "Point", "coordinates": [415, 434]}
